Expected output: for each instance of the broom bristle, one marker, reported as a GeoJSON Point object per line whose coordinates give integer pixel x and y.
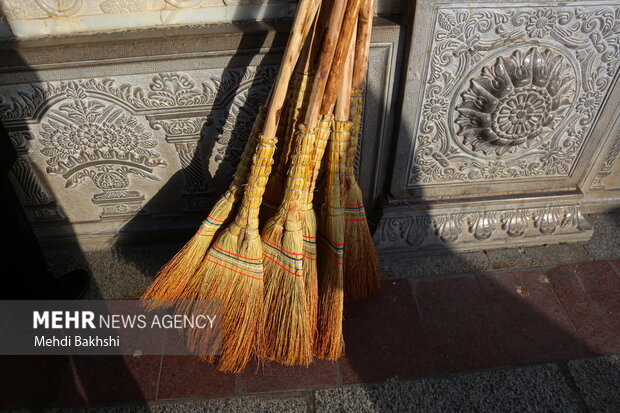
{"type": "Point", "coordinates": [311, 285]}
{"type": "Point", "coordinates": [361, 268]}
{"type": "Point", "coordinates": [284, 333]}
{"type": "Point", "coordinates": [232, 273]}
{"type": "Point", "coordinates": [174, 277]}
{"type": "Point", "coordinates": [309, 224]}
{"type": "Point", "coordinates": [329, 343]}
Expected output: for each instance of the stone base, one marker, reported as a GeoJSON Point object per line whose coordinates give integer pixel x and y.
{"type": "Point", "coordinates": [478, 225]}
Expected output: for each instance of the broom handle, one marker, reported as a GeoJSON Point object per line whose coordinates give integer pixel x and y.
{"type": "Point", "coordinates": [300, 89]}
{"type": "Point", "coordinates": [342, 50]}
{"type": "Point", "coordinates": [301, 26]}
{"type": "Point", "coordinates": [343, 103]}
{"type": "Point", "coordinates": [362, 44]}
{"type": "Point", "coordinates": [247, 217]}
{"type": "Point", "coordinates": [325, 62]}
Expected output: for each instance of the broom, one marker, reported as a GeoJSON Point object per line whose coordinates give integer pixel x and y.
{"type": "Point", "coordinates": [172, 278]}
{"type": "Point", "coordinates": [232, 270]}
{"type": "Point", "coordinates": [309, 225]}
{"type": "Point", "coordinates": [361, 265]}
{"type": "Point", "coordinates": [329, 343]}
{"type": "Point", "coordinates": [298, 100]}
{"type": "Point", "coordinates": [285, 333]}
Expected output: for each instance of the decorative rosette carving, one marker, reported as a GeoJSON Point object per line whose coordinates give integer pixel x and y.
{"type": "Point", "coordinates": [515, 102]}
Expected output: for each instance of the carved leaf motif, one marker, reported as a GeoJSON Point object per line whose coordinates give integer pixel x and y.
{"type": "Point", "coordinates": [482, 225]}
{"type": "Point", "coordinates": [515, 223]}
{"type": "Point", "coordinates": [448, 227]}
{"type": "Point", "coordinates": [547, 220]}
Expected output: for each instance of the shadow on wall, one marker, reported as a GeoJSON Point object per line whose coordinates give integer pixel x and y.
{"type": "Point", "coordinates": [41, 381]}
{"type": "Point", "coordinates": [235, 107]}
{"type": "Point", "coordinates": [416, 325]}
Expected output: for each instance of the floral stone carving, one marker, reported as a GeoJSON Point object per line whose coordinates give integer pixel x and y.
{"type": "Point", "coordinates": [511, 91]}
{"type": "Point", "coordinates": [86, 138]}
{"type": "Point", "coordinates": [515, 102]}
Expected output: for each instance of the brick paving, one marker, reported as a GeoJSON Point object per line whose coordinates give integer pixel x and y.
{"type": "Point", "coordinates": [412, 329]}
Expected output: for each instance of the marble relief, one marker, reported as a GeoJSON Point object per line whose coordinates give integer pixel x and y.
{"type": "Point", "coordinates": [25, 18]}
{"type": "Point", "coordinates": [512, 92]}
{"type": "Point", "coordinates": [109, 133]}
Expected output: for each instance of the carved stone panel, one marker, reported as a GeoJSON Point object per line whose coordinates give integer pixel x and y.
{"type": "Point", "coordinates": [471, 228]}
{"type": "Point", "coordinates": [108, 132]}
{"type": "Point", "coordinates": [148, 143]}
{"type": "Point", "coordinates": [505, 94]}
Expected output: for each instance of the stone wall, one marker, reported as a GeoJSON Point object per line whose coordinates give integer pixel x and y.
{"type": "Point", "coordinates": [509, 127]}
{"type": "Point", "coordinates": [28, 18]}
{"type": "Point", "coordinates": [121, 135]}
{"type": "Point", "coordinates": [503, 131]}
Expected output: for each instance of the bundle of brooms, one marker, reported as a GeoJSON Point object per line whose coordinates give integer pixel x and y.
{"type": "Point", "coordinates": [256, 252]}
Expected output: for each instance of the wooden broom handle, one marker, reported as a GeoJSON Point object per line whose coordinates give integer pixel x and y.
{"type": "Point", "coordinates": [325, 62]}
{"type": "Point", "coordinates": [342, 50]}
{"type": "Point", "coordinates": [362, 44]}
{"type": "Point", "coordinates": [304, 18]}
{"type": "Point", "coordinates": [343, 102]}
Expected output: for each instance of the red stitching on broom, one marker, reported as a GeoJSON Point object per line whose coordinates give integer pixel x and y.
{"type": "Point", "coordinates": [204, 235]}
{"type": "Point", "coordinates": [280, 248]}
{"type": "Point", "coordinates": [351, 219]}
{"type": "Point", "coordinates": [284, 268]}
{"type": "Point", "coordinates": [213, 219]}
{"type": "Point", "coordinates": [359, 204]}
{"type": "Point", "coordinates": [238, 272]}
{"type": "Point", "coordinates": [307, 236]}
{"type": "Point", "coordinates": [217, 247]}
{"type": "Point", "coordinates": [310, 258]}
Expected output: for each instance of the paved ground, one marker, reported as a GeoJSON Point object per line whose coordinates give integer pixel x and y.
{"type": "Point", "coordinates": [534, 329]}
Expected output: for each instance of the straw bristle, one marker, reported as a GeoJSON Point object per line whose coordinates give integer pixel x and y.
{"type": "Point", "coordinates": [361, 265]}
{"type": "Point", "coordinates": [174, 277]}
{"type": "Point", "coordinates": [361, 269]}
{"type": "Point", "coordinates": [311, 285]}
{"type": "Point", "coordinates": [284, 331]}
{"type": "Point", "coordinates": [309, 224]}
{"type": "Point", "coordinates": [232, 273]}
{"type": "Point", "coordinates": [329, 343]}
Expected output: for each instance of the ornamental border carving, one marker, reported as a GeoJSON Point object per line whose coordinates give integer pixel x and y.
{"type": "Point", "coordinates": [424, 230]}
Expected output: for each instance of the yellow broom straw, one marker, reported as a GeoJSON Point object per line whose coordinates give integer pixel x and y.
{"type": "Point", "coordinates": [173, 277]}
{"type": "Point", "coordinates": [329, 343]}
{"type": "Point", "coordinates": [361, 268]}
{"type": "Point", "coordinates": [309, 224]}
{"type": "Point", "coordinates": [232, 270]}
{"type": "Point", "coordinates": [285, 331]}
